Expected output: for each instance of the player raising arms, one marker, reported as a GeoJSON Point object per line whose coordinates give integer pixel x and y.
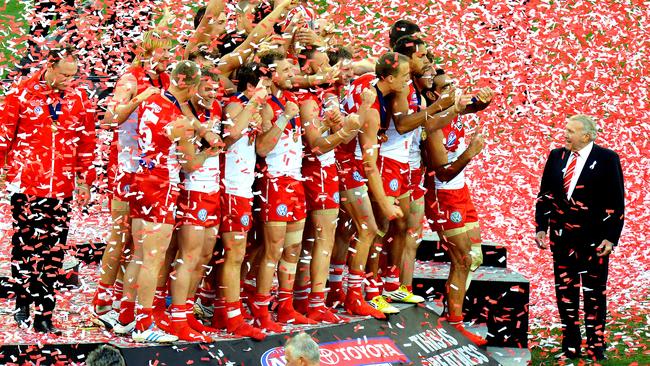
{"type": "Point", "coordinates": [145, 77]}
{"type": "Point", "coordinates": [166, 144]}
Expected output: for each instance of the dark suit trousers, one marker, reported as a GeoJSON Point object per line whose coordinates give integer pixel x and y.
{"type": "Point", "coordinates": [576, 266]}
{"type": "Point", "coordinates": [38, 246]}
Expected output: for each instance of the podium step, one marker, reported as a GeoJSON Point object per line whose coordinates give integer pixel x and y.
{"type": "Point", "coordinates": [497, 296]}
{"type": "Point", "coordinates": [494, 255]}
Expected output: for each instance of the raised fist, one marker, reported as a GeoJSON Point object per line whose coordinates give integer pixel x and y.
{"type": "Point", "coordinates": [291, 110]}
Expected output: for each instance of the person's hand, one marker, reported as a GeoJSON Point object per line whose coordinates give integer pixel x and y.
{"type": "Point", "coordinates": [333, 117]}
{"type": "Point", "coordinates": [605, 248]}
{"type": "Point", "coordinates": [461, 102]}
{"type": "Point", "coordinates": [392, 211]}
{"type": "Point", "coordinates": [83, 194]}
{"type": "Point", "coordinates": [352, 122]}
{"type": "Point", "coordinates": [368, 97]}
{"type": "Point", "coordinates": [447, 97]}
{"type": "Point", "coordinates": [291, 110]}
{"type": "Point", "coordinates": [260, 94]}
{"type": "Point", "coordinates": [476, 144]}
{"type": "Point", "coordinates": [540, 240]}
{"type": "Point", "coordinates": [306, 36]}
{"type": "Point", "coordinates": [485, 95]}
{"type": "Point", "coordinates": [214, 140]}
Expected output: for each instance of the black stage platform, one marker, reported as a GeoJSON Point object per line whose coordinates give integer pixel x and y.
{"type": "Point", "coordinates": [415, 336]}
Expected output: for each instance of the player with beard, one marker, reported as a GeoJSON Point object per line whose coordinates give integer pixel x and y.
{"type": "Point", "coordinates": [449, 207]}
{"type": "Point", "coordinates": [145, 77]}
{"type": "Point", "coordinates": [283, 198]}
{"type": "Point", "coordinates": [321, 186]}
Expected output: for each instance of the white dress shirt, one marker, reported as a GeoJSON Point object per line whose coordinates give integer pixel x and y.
{"type": "Point", "coordinates": [583, 154]}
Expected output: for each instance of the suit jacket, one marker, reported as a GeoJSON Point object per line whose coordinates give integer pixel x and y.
{"type": "Point", "coordinates": [595, 211]}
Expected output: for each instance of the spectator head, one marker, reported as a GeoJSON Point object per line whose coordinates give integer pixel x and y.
{"type": "Point", "coordinates": [248, 76]}
{"type": "Point", "coordinates": [301, 350]}
{"type": "Point", "coordinates": [105, 356]}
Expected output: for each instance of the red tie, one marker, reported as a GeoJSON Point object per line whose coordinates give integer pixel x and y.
{"type": "Point", "coordinates": [568, 174]}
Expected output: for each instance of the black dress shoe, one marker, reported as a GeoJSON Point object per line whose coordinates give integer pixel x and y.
{"type": "Point", "coordinates": [572, 354]}
{"type": "Point", "coordinates": [22, 315]}
{"type": "Point", "coordinates": [46, 326]}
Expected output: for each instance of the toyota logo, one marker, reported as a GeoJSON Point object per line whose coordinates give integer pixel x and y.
{"type": "Point", "coordinates": [328, 357]}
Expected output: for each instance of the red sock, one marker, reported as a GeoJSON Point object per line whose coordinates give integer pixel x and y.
{"type": "Point", "coordinates": [179, 317]}
{"type": "Point", "coordinates": [301, 298]}
{"type": "Point", "coordinates": [457, 322]}
{"type": "Point", "coordinates": [237, 325]}
{"type": "Point", "coordinates": [127, 312]}
{"type": "Point", "coordinates": [118, 292]}
{"type": "Point", "coordinates": [182, 329]}
{"type": "Point", "coordinates": [144, 319]}
{"type": "Point", "coordinates": [160, 299]}
{"type": "Point", "coordinates": [409, 288]}
{"type": "Point", "coordinates": [219, 315]}
{"type": "Point", "coordinates": [372, 288]}
{"type": "Point", "coordinates": [392, 279]}
{"type": "Point", "coordinates": [355, 279]}
{"type": "Point", "coordinates": [260, 310]}
{"type": "Point", "coordinates": [103, 299]}
{"type": "Point", "coordinates": [286, 312]}
{"type": "Point", "coordinates": [319, 312]}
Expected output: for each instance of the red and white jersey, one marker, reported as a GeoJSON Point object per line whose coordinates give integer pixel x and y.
{"type": "Point", "coordinates": [398, 146]}
{"type": "Point", "coordinates": [415, 153]}
{"type": "Point", "coordinates": [239, 160]}
{"type": "Point", "coordinates": [454, 141]}
{"type": "Point", "coordinates": [286, 157]}
{"type": "Point", "coordinates": [351, 104]}
{"type": "Point", "coordinates": [159, 156]}
{"type": "Point", "coordinates": [206, 178]}
{"type": "Point", "coordinates": [329, 157]}
{"type": "Point", "coordinates": [415, 105]}
{"type": "Point", "coordinates": [124, 149]}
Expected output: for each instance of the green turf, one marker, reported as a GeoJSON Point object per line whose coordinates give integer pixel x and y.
{"type": "Point", "coordinates": [11, 14]}
{"type": "Point", "coordinates": [623, 355]}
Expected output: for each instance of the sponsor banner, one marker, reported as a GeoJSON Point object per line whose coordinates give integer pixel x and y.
{"type": "Point", "coordinates": [369, 351]}
{"type": "Point", "coordinates": [415, 336]}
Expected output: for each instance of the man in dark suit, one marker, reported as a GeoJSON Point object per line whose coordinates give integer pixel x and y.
{"type": "Point", "coordinates": [581, 201]}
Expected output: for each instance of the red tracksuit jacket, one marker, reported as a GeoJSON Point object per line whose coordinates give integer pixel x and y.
{"type": "Point", "coordinates": [44, 157]}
